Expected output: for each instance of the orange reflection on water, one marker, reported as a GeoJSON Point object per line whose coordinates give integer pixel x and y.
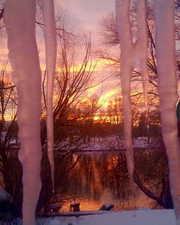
{"type": "Point", "coordinates": [85, 205]}
{"type": "Point", "coordinates": [140, 201]}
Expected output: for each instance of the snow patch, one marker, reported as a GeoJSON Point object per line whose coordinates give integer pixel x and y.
{"type": "Point", "coordinates": [134, 217]}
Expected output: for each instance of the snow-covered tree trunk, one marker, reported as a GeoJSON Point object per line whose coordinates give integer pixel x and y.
{"type": "Point", "coordinates": [166, 67]}
{"type": "Point", "coordinates": [123, 27]}
{"type": "Point", "coordinates": [23, 54]}
{"type": "Point", "coordinates": [51, 48]}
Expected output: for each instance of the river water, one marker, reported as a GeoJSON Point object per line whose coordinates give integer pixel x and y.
{"type": "Point", "coordinates": [95, 179]}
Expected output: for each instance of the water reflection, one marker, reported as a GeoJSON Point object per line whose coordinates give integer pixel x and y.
{"type": "Point", "coordinates": [95, 179]}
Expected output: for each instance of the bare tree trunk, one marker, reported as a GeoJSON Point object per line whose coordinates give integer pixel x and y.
{"type": "Point", "coordinates": [166, 67]}
{"type": "Point", "coordinates": [123, 27]}
{"type": "Point", "coordinates": [51, 48]}
{"type": "Point", "coordinates": [20, 25]}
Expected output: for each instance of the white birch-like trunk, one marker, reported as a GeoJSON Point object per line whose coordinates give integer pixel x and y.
{"type": "Point", "coordinates": [166, 67]}
{"type": "Point", "coordinates": [126, 59]}
{"type": "Point", "coordinates": [51, 48]}
{"type": "Point", "coordinates": [20, 25]}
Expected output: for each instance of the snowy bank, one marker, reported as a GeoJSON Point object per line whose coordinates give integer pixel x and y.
{"type": "Point", "coordinates": [132, 217]}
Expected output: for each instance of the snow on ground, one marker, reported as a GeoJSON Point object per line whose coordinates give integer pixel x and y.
{"type": "Point", "coordinates": [133, 217]}
{"type": "Point", "coordinates": [112, 142]}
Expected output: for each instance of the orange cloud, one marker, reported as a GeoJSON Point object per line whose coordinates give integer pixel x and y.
{"type": "Point", "coordinates": [105, 98]}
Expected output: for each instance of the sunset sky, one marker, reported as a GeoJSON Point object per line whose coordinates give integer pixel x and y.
{"type": "Point", "coordinates": [85, 15]}
{"type": "Point", "coordinates": [81, 17]}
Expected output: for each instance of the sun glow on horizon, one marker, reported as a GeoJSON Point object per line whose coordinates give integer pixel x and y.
{"type": "Point", "coordinates": [105, 98]}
